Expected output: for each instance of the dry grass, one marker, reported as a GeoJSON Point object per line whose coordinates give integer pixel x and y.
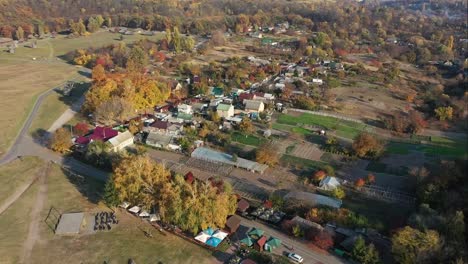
{"type": "Point", "coordinates": [20, 85]}
{"type": "Point", "coordinates": [16, 174]}
{"type": "Point", "coordinates": [14, 223]}
{"type": "Point", "coordinates": [22, 79]}
{"type": "Point", "coordinates": [125, 241]}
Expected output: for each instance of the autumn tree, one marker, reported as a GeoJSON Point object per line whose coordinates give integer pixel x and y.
{"type": "Point", "coordinates": [19, 33]}
{"type": "Point", "coordinates": [115, 110]}
{"type": "Point", "coordinates": [139, 180]}
{"type": "Point", "coordinates": [359, 182]}
{"type": "Point", "coordinates": [444, 113]}
{"type": "Point", "coordinates": [99, 93]}
{"type": "Point", "coordinates": [413, 246]}
{"type": "Point", "coordinates": [246, 126]}
{"type": "Point", "coordinates": [338, 193]}
{"type": "Point", "coordinates": [267, 154]}
{"type": "Point", "coordinates": [319, 175]}
{"type": "Point", "coordinates": [364, 254]}
{"type": "Point", "coordinates": [81, 129]}
{"type": "Point", "coordinates": [323, 240]}
{"type": "Point", "coordinates": [61, 140]}
{"type": "Point", "coordinates": [367, 145]}
{"type": "Point", "coordinates": [416, 122]}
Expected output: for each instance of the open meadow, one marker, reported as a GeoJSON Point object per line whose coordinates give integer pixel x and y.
{"type": "Point", "coordinates": [68, 194]}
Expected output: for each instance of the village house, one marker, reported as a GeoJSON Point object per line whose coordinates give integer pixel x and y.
{"type": "Point", "coordinates": [184, 108]}
{"type": "Point", "coordinates": [217, 92]}
{"type": "Point", "coordinates": [121, 141]}
{"type": "Point", "coordinates": [225, 110]}
{"type": "Point", "coordinates": [246, 96]}
{"type": "Point", "coordinates": [161, 141]}
{"type": "Point", "coordinates": [253, 106]}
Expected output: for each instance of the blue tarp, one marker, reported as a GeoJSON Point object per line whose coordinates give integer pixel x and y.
{"type": "Point", "coordinates": [213, 241]}
{"type": "Point", "coordinates": [209, 231]}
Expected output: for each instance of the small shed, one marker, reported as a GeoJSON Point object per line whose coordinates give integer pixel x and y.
{"type": "Point", "coordinates": [242, 205]}
{"type": "Point", "coordinates": [260, 244]}
{"type": "Point", "coordinates": [233, 223]}
{"type": "Point", "coordinates": [329, 183]}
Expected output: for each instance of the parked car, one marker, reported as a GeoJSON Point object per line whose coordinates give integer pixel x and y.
{"type": "Point", "coordinates": [295, 257]}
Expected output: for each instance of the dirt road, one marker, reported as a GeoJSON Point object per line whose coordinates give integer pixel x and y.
{"type": "Point", "coordinates": [34, 216]}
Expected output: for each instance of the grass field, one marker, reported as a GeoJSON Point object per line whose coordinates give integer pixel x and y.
{"type": "Point", "coordinates": [125, 241]}
{"type": "Point", "coordinates": [14, 223]}
{"type": "Point", "coordinates": [54, 106]}
{"type": "Point", "coordinates": [23, 79]}
{"type": "Point", "coordinates": [247, 139]}
{"type": "Point", "coordinates": [16, 174]}
{"type": "Point", "coordinates": [301, 163]}
{"type": "Point", "coordinates": [346, 129]}
{"type": "Point", "coordinates": [445, 149]}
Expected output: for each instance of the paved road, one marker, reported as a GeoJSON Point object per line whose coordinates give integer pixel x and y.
{"type": "Point", "coordinates": [25, 145]}
{"type": "Point", "coordinates": [310, 256]}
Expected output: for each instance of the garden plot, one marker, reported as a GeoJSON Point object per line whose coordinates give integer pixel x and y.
{"type": "Point", "coordinates": [307, 151]}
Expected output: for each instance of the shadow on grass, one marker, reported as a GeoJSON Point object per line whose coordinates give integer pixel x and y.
{"type": "Point", "coordinates": [89, 188]}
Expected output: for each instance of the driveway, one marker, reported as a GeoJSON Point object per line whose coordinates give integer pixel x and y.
{"type": "Point", "coordinates": [300, 248]}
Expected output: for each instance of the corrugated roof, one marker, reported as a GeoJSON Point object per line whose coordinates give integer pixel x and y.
{"type": "Point", "coordinates": [216, 156]}
{"type": "Point", "coordinates": [120, 138]}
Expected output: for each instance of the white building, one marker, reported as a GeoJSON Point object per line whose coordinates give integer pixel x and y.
{"type": "Point", "coordinates": [253, 106]}
{"type": "Point", "coordinates": [184, 108]}
{"type": "Point", "coordinates": [329, 183]}
{"type": "Point", "coordinates": [317, 81]}
{"type": "Point", "coordinates": [121, 141]}
{"type": "Point", "coordinates": [225, 110]}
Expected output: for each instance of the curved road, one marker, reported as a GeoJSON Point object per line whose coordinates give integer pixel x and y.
{"type": "Point", "coordinates": [25, 145]}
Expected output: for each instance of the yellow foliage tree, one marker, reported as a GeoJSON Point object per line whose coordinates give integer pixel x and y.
{"type": "Point", "coordinates": [61, 140]}
{"type": "Point", "coordinates": [267, 154]}
{"type": "Point", "coordinates": [99, 93]}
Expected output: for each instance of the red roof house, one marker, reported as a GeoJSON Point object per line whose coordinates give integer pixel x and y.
{"type": "Point", "coordinates": [103, 133]}
{"type": "Point", "coordinates": [260, 243]}
{"type": "Point", "coordinates": [246, 96]}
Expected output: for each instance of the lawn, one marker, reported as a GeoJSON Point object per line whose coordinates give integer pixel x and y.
{"type": "Point", "coordinates": [16, 174]}
{"type": "Point", "coordinates": [451, 150]}
{"type": "Point", "coordinates": [289, 160]}
{"type": "Point", "coordinates": [346, 129]}
{"type": "Point", "coordinates": [247, 139]}
{"type": "Point", "coordinates": [55, 105]}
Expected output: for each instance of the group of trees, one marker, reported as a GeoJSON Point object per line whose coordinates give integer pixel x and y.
{"type": "Point", "coordinates": [177, 42]}
{"type": "Point", "coordinates": [413, 122]}
{"type": "Point", "coordinates": [116, 97]}
{"type": "Point", "coordinates": [436, 232]}
{"type": "Point", "coordinates": [367, 145]}
{"type": "Point", "coordinates": [191, 206]}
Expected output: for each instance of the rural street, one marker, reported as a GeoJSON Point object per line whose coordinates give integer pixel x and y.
{"type": "Point", "coordinates": [310, 256]}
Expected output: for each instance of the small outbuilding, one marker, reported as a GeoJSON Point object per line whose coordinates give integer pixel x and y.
{"type": "Point", "coordinates": [233, 223]}
{"type": "Point", "coordinates": [329, 183]}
